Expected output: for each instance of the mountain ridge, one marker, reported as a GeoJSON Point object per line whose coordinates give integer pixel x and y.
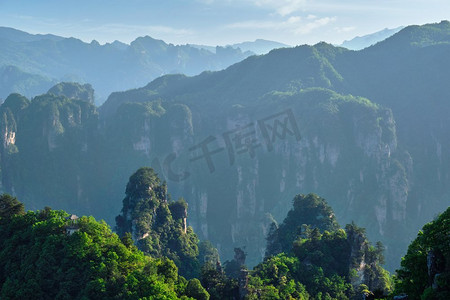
{"type": "Point", "coordinates": [361, 42]}
{"type": "Point", "coordinates": [109, 67]}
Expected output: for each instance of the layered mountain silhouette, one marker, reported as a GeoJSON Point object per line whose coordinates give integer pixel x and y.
{"type": "Point", "coordinates": [367, 130]}
{"type": "Point", "coordinates": [110, 67]}
{"type": "Point", "coordinates": [361, 42]}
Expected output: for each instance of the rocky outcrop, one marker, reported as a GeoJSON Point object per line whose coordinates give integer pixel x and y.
{"type": "Point", "coordinates": [47, 140]}
{"type": "Point", "coordinates": [73, 90]}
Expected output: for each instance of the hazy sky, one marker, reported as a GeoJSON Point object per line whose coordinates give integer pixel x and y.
{"type": "Point", "coordinates": [218, 22]}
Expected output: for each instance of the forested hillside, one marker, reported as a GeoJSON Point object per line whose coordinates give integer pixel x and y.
{"type": "Point", "coordinates": [425, 269]}
{"type": "Point", "coordinates": [367, 130]}
{"type": "Point", "coordinates": [49, 254]}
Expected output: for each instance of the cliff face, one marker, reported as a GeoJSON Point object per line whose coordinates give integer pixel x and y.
{"type": "Point", "coordinates": [46, 144]}
{"type": "Point", "coordinates": [347, 153]}
{"type": "Point", "coordinates": [239, 167]}
{"type": "Point", "coordinates": [407, 73]}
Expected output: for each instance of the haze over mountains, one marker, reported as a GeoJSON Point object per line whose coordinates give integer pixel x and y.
{"type": "Point", "coordinates": [31, 64]}
{"type": "Point", "coordinates": [367, 130]}
{"type": "Point", "coordinates": [258, 46]}
{"type": "Point", "coordinates": [361, 42]}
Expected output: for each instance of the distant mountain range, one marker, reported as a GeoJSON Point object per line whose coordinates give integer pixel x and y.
{"type": "Point", "coordinates": [258, 46]}
{"type": "Point", "coordinates": [361, 42]}
{"type": "Point", "coordinates": [15, 80]}
{"type": "Point", "coordinates": [46, 59]}
{"type": "Point", "coordinates": [30, 64]}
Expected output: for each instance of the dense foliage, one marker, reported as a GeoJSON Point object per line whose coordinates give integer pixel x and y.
{"type": "Point", "coordinates": [335, 264]}
{"type": "Point", "coordinates": [225, 283]}
{"type": "Point", "coordinates": [307, 209]}
{"type": "Point", "coordinates": [425, 269]}
{"type": "Point", "coordinates": [50, 254]}
{"type": "Point", "coordinates": [41, 258]}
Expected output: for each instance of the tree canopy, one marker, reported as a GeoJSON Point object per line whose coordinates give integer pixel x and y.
{"type": "Point", "coordinates": [425, 269]}
{"type": "Point", "coordinates": [40, 258]}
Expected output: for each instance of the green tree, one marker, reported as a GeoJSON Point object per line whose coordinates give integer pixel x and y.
{"type": "Point", "coordinates": [195, 290]}
{"type": "Point", "coordinates": [39, 259]}
{"type": "Point", "coordinates": [322, 260]}
{"type": "Point", "coordinates": [311, 210]}
{"type": "Point", "coordinates": [10, 206]}
{"type": "Point", "coordinates": [425, 269]}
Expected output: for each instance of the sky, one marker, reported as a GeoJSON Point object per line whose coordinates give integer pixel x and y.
{"type": "Point", "coordinates": [218, 22]}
